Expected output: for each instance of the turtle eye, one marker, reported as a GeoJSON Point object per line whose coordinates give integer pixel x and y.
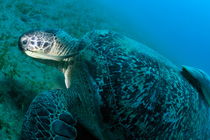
{"type": "Point", "coordinates": [24, 42]}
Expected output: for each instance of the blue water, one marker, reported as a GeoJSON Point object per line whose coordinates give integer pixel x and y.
{"type": "Point", "coordinates": [178, 29]}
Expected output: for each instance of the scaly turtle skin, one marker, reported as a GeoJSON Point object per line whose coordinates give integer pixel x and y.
{"type": "Point", "coordinates": [117, 88]}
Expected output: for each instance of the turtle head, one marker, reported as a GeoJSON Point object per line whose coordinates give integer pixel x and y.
{"type": "Point", "coordinates": [51, 47]}
{"type": "Point", "coordinates": [54, 45]}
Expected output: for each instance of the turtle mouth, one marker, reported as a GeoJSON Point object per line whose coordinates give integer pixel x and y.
{"type": "Point", "coordinates": [40, 55]}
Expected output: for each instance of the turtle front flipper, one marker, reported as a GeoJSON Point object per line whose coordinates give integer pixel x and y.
{"type": "Point", "coordinates": [199, 79]}
{"type": "Point", "coordinates": [49, 118]}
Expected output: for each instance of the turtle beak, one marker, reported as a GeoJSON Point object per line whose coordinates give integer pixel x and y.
{"type": "Point", "coordinates": [20, 44]}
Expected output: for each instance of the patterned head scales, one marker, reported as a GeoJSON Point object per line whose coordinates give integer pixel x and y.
{"type": "Point", "coordinates": [47, 44]}
{"type": "Point", "coordinates": [37, 41]}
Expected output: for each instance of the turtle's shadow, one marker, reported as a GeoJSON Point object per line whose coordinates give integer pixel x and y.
{"type": "Point", "coordinates": [83, 134]}
{"type": "Point", "coordinates": [15, 92]}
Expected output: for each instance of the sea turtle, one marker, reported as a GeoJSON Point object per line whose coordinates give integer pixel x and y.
{"type": "Point", "coordinates": [117, 88]}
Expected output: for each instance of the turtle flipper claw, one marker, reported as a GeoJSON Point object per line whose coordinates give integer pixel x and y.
{"type": "Point", "coordinates": [62, 129]}
{"type": "Point", "coordinates": [64, 126]}
{"type": "Point", "coordinates": [67, 118]}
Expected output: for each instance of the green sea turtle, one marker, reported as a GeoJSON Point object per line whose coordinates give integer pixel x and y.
{"type": "Point", "coordinates": [117, 88]}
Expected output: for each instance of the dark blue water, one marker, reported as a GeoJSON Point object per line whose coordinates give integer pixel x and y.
{"type": "Point", "coordinates": [180, 30]}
